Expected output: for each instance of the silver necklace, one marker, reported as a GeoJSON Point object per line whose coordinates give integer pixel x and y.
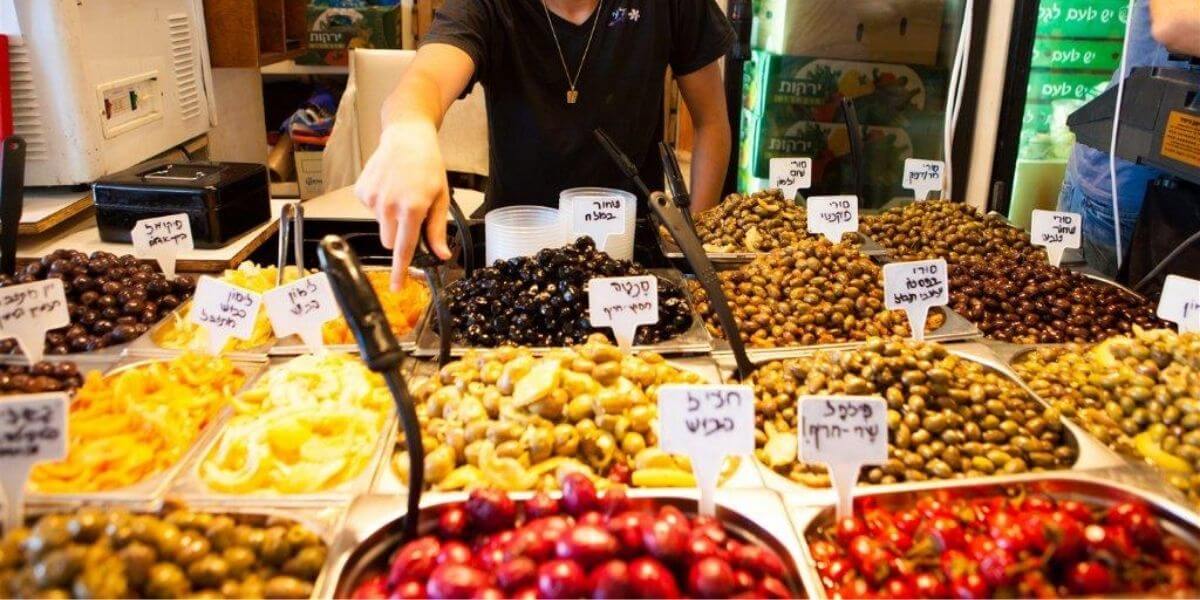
{"type": "Point", "coordinates": [572, 93]}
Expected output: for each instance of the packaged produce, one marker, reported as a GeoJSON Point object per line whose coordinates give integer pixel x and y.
{"type": "Point", "coordinates": [1031, 302]}
{"type": "Point", "coordinates": [542, 300]}
{"type": "Point", "coordinates": [306, 426]}
{"type": "Point", "coordinates": [946, 229]}
{"type": "Point", "coordinates": [813, 292]}
{"type": "Point", "coordinates": [948, 417]}
{"type": "Point", "coordinates": [1140, 394]}
{"type": "Point", "coordinates": [104, 553]}
{"type": "Point", "coordinates": [758, 222]}
{"type": "Point", "coordinates": [588, 544]}
{"type": "Point", "coordinates": [1023, 544]}
{"type": "Point", "coordinates": [111, 299]}
{"type": "Point", "coordinates": [137, 422]}
{"type": "Point", "coordinates": [503, 418]}
{"type": "Point", "coordinates": [39, 377]}
{"type": "Point", "coordinates": [182, 334]}
{"type": "Point", "coordinates": [402, 308]}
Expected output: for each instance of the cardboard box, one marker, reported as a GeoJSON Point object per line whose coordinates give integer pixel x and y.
{"type": "Point", "coordinates": [811, 89]}
{"type": "Point", "coordinates": [1096, 19]}
{"type": "Point", "coordinates": [308, 173]}
{"type": "Point", "coordinates": [334, 31]}
{"type": "Point", "coordinates": [898, 31]}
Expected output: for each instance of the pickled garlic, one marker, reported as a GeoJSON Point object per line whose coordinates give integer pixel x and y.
{"type": "Point", "coordinates": [403, 308]}
{"type": "Point", "coordinates": [133, 424]}
{"type": "Point", "coordinates": [308, 426]}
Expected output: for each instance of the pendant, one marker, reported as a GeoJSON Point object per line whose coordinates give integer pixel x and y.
{"type": "Point", "coordinates": [572, 96]}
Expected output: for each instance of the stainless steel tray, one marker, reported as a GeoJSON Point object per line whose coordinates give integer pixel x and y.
{"type": "Point", "coordinates": [372, 530]}
{"type": "Point", "coordinates": [671, 250]}
{"type": "Point", "coordinates": [149, 492]}
{"type": "Point", "coordinates": [147, 346]}
{"type": "Point", "coordinates": [1176, 520]}
{"type": "Point", "coordinates": [1092, 455]}
{"type": "Point", "coordinates": [693, 341]}
{"type": "Point", "coordinates": [190, 487]}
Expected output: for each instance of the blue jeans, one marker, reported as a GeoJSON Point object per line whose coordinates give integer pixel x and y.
{"type": "Point", "coordinates": [1097, 227]}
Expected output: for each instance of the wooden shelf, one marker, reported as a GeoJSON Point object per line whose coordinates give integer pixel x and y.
{"type": "Point", "coordinates": [253, 33]}
{"type": "Point", "coordinates": [289, 68]}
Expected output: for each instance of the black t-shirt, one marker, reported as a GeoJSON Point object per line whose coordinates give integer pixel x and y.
{"type": "Point", "coordinates": [540, 144]}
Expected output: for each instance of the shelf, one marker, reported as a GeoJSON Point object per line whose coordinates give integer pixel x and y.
{"type": "Point", "coordinates": [289, 68]}
{"type": "Point", "coordinates": [252, 33]}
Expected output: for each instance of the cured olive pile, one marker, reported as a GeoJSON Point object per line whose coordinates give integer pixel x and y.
{"type": "Point", "coordinates": [758, 222]}
{"type": "Point", "coordinates": [111, 299]}
{"type": "Point", "coordinates": [946, 229]}
{"type": "Point", "coordinates": [105, 553]}
{"type": "Point", "coordinates": [1140, 394]}
{"type": "Point", "coordinates": [589, 544]}
{"type": "Point", "coordinates": [39, 377]}
{"type": "Point", "coordinates": [542, 300]}
{"type": "Point", "coordinates": [1028, 302]}
{"type": "Point", "coordinates": [948, 417]}
{"type": "Point", "coordinates": [813, 292]}
{"type": "Point", "coordinates": [505, 419]}
{"type": "Point", "coordinates": [1026, 545]}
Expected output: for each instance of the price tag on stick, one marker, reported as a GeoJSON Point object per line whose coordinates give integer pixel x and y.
{"type": "Point", "coordinates": [843, 433]}
{"type": "Point", "coordinates": [301, 308]}
{"type": "Point", "coordinates": [29, 310]}
{"type": "Point", "coordinates": [162, 239]}
{"type": "Point", "coordinates": [1057, 231]}
{"type": "Point", "coordinates": [599, 218]}
{"type": "Point", "coordinates": [623, 303]}
{"type": "Point", "coordinates": [1180, 303]}
{"type": "Point", "coordinates": [224, 310]}
{"type": "Point", "coordinates": [790, 175]}
{"type": "Point", "coordinates": [832, 216]}
{"type": "Point", "coordinates": [33, 429]}
{"type": "Point", "coordinates": [923, 177]}
{"type": "Point", "coordinates": [915, 287]}
{"type": "Point", "coordinates": [707, 423]}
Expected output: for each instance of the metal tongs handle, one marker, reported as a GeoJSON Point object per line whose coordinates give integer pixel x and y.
{"type": "Point", "coordinates": [426, 260]}
{"type": "Point", "coordinates": [857, 152]}
{"type": "Point", "coordinates": [381, 352]}
{"type": "Point", "coordinates": [679, 190]}
{"type": "Point", "coordinates": [291, 225]}
{"type": "Point", "coordinates": [12, 199]}
{"type": "Point", "coordinates": [672, 217]}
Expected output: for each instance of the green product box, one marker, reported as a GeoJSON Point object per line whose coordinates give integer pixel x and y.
{"type": "Point", "coordinates": [334, 31]}
{"type": "Point", "coordinates": [1045, 86]}
{"type": "Point", "coordinates": [1096, 19]}
{"type": "Point", "coordinates": [1086, 55]}
{"type": "Point", "coordinates": [811, 89]}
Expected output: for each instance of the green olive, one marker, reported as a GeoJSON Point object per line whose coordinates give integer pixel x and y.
{"type": "Point", "coordinates": [167, 580]}
{"type": "Point", "coordinates": [282, 586]}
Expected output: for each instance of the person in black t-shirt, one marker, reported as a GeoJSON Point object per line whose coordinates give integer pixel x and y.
{"type": "Point", "coordinates": [553, 71]}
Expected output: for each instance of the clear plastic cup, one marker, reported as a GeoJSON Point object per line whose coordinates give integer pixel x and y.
{"type": "Point", "coordinates": [618, 245]}
{"type": "Point", "coordinates": [520, 231]}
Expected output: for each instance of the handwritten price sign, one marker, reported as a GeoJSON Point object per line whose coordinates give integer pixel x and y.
{"type": "Point", "coordinates": [1057, 231]}
{"type": "Point", "coordinates": [1180, 303]}
{"type": "Point", "coordinates": [163, 239]}
{"type": "Point", "coordinates": [923, 177]}
{"type": "Point", "coordinates": [843, 433]}
{"type": "Point", "coordinates": [599, 218]}
{"type": "Point", "coordinates": [707, 423]}
{"type": "Point", "coordinates": [29, 310]}
{"type": "Point", "coordinates": [224, 310]}
{"type": "Point", "coordinates": [33, 429]}
{"type": "Point", "coordinates": [915, 287]}
{"type": "Point", "coordinates": [832, 216]}
{"type": "Point", "coordinates": [301, 308]}
{"type": "Point", "coordinates": [790, 175]}
{"type": "Point", "coordinates": [623, 303]}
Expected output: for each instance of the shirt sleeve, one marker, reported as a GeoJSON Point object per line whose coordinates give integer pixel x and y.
{"type": "Point", "coordinates": [465, 25]}
{"type": "Point", "coordinates": [700, 34]}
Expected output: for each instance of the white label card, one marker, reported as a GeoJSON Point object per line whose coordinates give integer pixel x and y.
{"type": "Point", "coordinates": [162, 239]}
{"type": "Point", "coordinates": [29, 310]}
{"type": "Point", "coordinates": [832, 216]}
{"type": "Point", "coordinates": [599, 218]}
{"type": "Point", "coordinates": [707, 423]}
{"type": "Point", "coordinates": [923, 177]}
{"type": "Point", "coordinates": [790, 175]}
{"type": "Point", "coordinates": [1180, 303]}
{"type": "Point", "coordinates": [623, 303]}
{"type": "Point", "coordinates": [915, 287]}
{"type": "Point", "coordinates": [225, 310]}
{"type": "Point", "coordinates": [33, 429]}
{"type": "Point", "coordinates": [1057, 231]}
{"type": "Point", "coordinates": [301, 308]}
{"type": "Point", "coordinates": [843, 433]}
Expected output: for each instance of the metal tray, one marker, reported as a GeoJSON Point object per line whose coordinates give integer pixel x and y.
{"type": "Point", "coordinates": [1091, 488]}
{"type": "Point", "coordinates": [1092, 455]}
{"type": "Point", "coordinates": [372, 530]}
{"type": "Point", "coordinates": [293, 346]}
{"type": "Point", "coordinates": [191, 487]}
{"type": "Point", "coordinates": [671, 250]}
{"type": "Point", "coordinates": [695, 340]}
{"type": "Point", "coordinates": [745, 476]}
{"type": "Point", "coordinates": [147, 345]}
{"type": "Point", "coordinates": [149, 492]}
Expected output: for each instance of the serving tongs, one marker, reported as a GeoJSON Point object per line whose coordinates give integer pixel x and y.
{"type": "Point", "coordinates": [381, 353]}
{"type": "Point", "coordinates": [671, 215]}
{"type": "Point", "coordinates": [291, 225]}
{"type": "Point", "coordinates": [858, 156]}
{"type": "Point", "coordinates": [12, 199]}
{"type": "Point", "coordinates": [428, 261]}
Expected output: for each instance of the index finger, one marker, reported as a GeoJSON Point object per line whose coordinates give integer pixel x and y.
{"type": "Point", "coordinates": [408, 234]}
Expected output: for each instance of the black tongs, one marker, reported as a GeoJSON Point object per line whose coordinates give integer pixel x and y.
{"type": "Point", "coordinates": [679, 190]}
{"type": "Point", "coordinates": [12, 199]}
{"type": "Point", "coordinates": [428, 261]}
{"type": "Point", "coordinates": [381, 353]}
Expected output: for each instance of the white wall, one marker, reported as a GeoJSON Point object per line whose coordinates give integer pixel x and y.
{"type": "Point", "coordinates": [991, 91]}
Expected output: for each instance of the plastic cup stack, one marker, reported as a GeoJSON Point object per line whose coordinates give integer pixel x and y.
{"type": "Point", "coordinates": [521, 231]}
{"type": "Point", "coordinates": [619, 245]}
